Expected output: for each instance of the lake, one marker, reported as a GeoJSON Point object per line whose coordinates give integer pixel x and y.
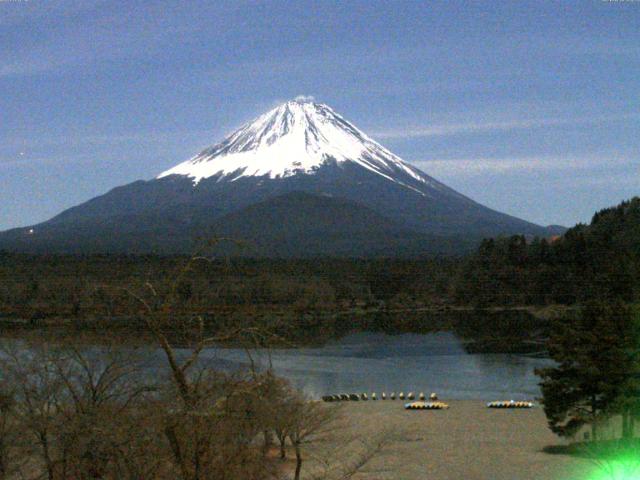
{"type": "Point", "coordinates": [376, 362]}
{"type": "Point", "coordinates": [438, 361]}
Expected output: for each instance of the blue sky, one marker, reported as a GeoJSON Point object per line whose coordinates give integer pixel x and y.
{"type": "Point", "coordinates": [532, 108]}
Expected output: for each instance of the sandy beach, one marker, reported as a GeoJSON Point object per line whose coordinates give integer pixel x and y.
{"type": "Point", "coordinates": [467, 441]}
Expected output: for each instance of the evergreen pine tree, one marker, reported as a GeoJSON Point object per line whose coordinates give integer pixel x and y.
{"type": "Point", "coordinates": [597, 372]}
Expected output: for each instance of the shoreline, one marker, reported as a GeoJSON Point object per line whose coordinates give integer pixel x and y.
{"type": "Point", "coordinates": [546, 312]}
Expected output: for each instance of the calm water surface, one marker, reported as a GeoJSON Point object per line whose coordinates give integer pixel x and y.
{"type": "Point", "coordinates": [368, 362]}
{"type": "Point", "coordinates": [377, 362]}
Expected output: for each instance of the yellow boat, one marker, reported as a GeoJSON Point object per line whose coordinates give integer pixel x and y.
{"type": "Point", "coordinates": [426, 406]}
{"type": "Point", "coordinates": [509, 404]}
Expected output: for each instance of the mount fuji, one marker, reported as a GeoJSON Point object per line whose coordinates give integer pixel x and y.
{"type": "Point", "coordinates": [299, 180]}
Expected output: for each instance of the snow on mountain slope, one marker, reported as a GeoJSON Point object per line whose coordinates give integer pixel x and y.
{"type": "Point", "coordinates": [298, 137]}
{"type": "Point", "coordinates": [274, 183]}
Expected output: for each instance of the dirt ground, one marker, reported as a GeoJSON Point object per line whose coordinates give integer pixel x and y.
{"type": "Point", "coordinates": [467, 441]}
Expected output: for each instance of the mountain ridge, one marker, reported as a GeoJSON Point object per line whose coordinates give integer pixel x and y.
{"type": "Point", "coordinates": [296, 147]}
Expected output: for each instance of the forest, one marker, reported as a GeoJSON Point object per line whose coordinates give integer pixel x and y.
{"type": "Point", "coordinates": [601, 260]}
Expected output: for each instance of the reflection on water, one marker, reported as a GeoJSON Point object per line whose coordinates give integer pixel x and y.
{"type": "Point", "coordinates": [444, 354]}
{"type": "Point", "coordinates": [366, 362]}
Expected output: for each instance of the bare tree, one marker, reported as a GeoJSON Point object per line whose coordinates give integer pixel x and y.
{"type": "Point", "coordinates": [80, 410]}
{"type": "Point", "coordinates": [212, 425]}
{"type": "Point", "coordinates": [103, 391]}
{"type": "Point", "coordinates": [309, 421]}
{"type": "Point", "coordinates": [37, 392]}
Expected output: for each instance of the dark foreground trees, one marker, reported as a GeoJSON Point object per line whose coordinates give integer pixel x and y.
{"type": "Point", "coordinates": [597, 375]}
{"type": "Point", "coordinates": [75, 413]}
{"type": "Point", "coordinates": [85, 411]}
{"type": "Point", "coordinates": [80, 412]}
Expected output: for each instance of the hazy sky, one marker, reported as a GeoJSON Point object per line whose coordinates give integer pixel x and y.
{"type": "Point", "coordinates": [532, 108]}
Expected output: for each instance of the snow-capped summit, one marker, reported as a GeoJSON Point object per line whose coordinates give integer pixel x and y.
{"type": "Point", "coordinates": [297, 137]}
{"type": "Point", "coordinates": [299, 180]}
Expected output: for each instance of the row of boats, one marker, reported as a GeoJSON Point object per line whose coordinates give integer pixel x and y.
{"type": "Point", "coordinates": [510, 404]}
{"type": "Point", "coordinates": [426, 406]}
{"type": "Point", "coordinates": [422, 404]}
{"type": "Point", "coordinates": [442, 406]}
{"type": "Point", "coordinates": [355, 397]}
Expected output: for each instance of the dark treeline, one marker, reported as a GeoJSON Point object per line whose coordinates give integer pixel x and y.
{"type": "Point", "coordinates": [598, 260]}
{"type": "Point", "coordinates": [36, 287]}
{"type": "Point", "coordinates": [601, 259]}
